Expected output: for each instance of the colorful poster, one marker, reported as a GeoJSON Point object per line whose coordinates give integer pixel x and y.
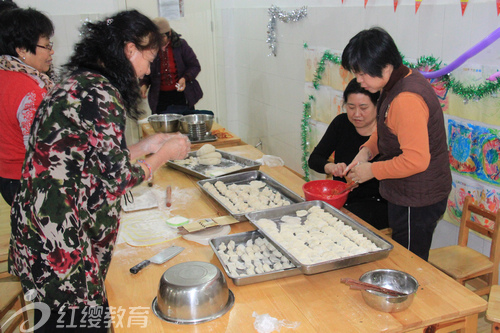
{"type": "Point", "coordinates": [487, 197]}
{"type": "Point", "coordinates": [474, 150]}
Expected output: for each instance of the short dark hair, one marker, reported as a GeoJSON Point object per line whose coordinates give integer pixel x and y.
{"type": "Point", "coordinates": [355, 88]}
{"type": "Point", "coordinates": [7, 5]}
{"type": "Point", "coordinates": [102, 49]}
{"type": "Point", "coordinates": [22, 28]}
{"type": "Point", "coordinates": [370, 51]}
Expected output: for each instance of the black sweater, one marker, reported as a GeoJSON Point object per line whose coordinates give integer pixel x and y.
{"type": "Point", "coordinates": [342, 138]}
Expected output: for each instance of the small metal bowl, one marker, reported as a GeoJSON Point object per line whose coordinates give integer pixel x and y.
{"type": "Point", "coordinates": [193, 123]}
{"type": "Point", "coordinates": [191, 293]}
{"type": "Point", "coordinates": [391, 279]}
{"type": "Point", "coordinates": [165, 123]}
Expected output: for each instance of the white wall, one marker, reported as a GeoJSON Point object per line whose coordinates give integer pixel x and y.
{"type": "Point", "coordinates": [264, 95]}
{"type": "Point", "coordinates": [260, 97]}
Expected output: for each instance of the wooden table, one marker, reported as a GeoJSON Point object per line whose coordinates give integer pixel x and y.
{"type": "Point", "coordinates": [319, 302]}
{"type": "Point", "coordinates": [220, 143]}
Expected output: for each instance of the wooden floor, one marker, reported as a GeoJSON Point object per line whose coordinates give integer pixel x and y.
{"type": "Point", "coordinates": [483, 325]}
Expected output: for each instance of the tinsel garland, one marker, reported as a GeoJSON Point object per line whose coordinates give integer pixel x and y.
{"type": "Point", "coordinates": [305, 130]}
{"type": "Point", "coordinates": [275, 13]}
{"type": "Point", "coordinates": [474, 93]}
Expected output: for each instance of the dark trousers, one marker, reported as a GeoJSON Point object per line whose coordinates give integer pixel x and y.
{"type": "Point", "coordinates": [371, 210]}
{"type": "Point", "coordinates": [8, 188]}
{"type": "Point", "coordinates": [412, 227]}
{"type": "Point", "coordinates": [167, 99]}
{"type": "Point", "coordinates": [88, 319]}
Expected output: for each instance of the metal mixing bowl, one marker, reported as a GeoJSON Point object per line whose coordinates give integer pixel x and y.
{"type": "Point", "coordinates": [391, 279]}
{"type": "Point", "coordinates": [191, 293]}
{"type": "Point", "coordinates": [165, 123]}
{"type": "Point", "coordinates": [190, 122]}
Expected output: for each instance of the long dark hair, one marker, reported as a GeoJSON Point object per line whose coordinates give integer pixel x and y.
{"type": "Point", "coordinates": [102, 49]}
{"type": "Point", "coordinates": [22, 28]}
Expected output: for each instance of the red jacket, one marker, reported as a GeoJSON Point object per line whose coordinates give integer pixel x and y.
{"type": "Point", "coordinates": [20, 96]}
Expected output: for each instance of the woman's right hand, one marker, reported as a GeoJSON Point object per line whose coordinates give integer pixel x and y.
{"type": "Point", "coordinates": [335, 169]}
{"type": "Point", "coordinates": [176, 147]}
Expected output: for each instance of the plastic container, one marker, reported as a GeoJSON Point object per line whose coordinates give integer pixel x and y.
{"type": "Point", "coordinates": [323, 189]}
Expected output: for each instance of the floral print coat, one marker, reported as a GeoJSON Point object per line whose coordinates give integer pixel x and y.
{"type": "Point", "coordinates": [65, 217]}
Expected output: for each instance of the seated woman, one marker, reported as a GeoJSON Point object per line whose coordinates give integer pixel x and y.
{"type": "Point", "coordinates": [347, 132]}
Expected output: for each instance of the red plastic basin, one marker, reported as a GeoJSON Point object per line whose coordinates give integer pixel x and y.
{"type": "Point", "coordinates": [323, 189]}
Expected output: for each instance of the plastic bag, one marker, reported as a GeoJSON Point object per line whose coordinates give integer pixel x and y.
{"type": "Point", "coordinates": [271, 160]}
{"type": "Point", "coordinates": [266, 324]}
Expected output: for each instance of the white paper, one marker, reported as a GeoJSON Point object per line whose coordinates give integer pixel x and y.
{"type": "Point", "coordinates": [171, 9]}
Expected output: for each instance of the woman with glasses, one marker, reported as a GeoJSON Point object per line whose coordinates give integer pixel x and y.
{"type": "Point", "coordinates": [25, 58]}
{"type": "Point", "coordinates": [65, 216]}
{"type": "Point", "coordinates": [173, 87]}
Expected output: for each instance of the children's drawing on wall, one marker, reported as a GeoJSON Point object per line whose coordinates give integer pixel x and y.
{"type": "Point", "coordinates": [474, 150]}
{"type": "Point", "coordinates": [486, 196]}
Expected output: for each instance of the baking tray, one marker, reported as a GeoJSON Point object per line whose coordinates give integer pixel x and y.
{"type": "Point", "coordinates": [275, 214]}
{"type": "Point", "coordinates": [228, 160]}
{"type": "Point", "coordinates": [242, 238]}
{"type": "Point", "coordinates": [245, 178]}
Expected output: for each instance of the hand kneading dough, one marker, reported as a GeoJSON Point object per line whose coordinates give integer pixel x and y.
{"type": "Point", "coordinates": [205, 149]}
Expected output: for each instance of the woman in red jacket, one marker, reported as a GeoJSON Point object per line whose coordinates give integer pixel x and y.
{"type": "Point", "coordinates": [25, 58]}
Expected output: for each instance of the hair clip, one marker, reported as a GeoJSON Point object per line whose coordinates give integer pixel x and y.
{"type": "Point", "coordinates": [109, 21]}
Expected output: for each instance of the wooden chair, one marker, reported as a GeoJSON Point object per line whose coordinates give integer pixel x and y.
{"type": "Point", "coordinates": [11, 298]}
{"type": "Point", "coordinates": [493, 311]}
{"type": "Point", "coordinates": [463, 263]}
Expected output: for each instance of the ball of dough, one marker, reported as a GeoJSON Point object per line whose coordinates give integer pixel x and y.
{"type": "Point", "coordinates": [205, 149]}
{"type": "Point", "coordinates": [209, 161]}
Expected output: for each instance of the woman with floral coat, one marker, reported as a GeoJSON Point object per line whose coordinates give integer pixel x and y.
{"type": "Point", "coordinates": [65, 218]}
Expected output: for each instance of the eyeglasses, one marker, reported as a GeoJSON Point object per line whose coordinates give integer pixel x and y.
{"type": "Point", "coordinates": [47, 47]}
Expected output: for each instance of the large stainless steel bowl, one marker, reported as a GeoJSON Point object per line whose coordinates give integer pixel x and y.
{"type": "Point", "coordinates": [194, 123]}
{"type": "Point", "coordinates": [165, 123]}
{"type": "Point", "coordinates": [192, 292]}
{"type": "Point", "coordinates": [391, 279]}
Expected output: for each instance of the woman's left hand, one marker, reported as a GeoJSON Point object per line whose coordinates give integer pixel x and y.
{"type": "Point", "coordinates": [181, 84]}
{"type": "Point", "coordinates": [361, 172]}
{"type": "Point", "coordinates": [151, 144]}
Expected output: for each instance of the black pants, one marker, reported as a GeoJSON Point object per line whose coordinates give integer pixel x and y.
{"type": "Point", "coordinates": [170, 98]}
{"type": "Point", "coordinates": [8, 188]}
{"type": "Point", "coordinates": [88, 319]}
{"type": "Point", "coordinates": [371, 210]}
{"type": "Point", "coordinates": [412, 227]}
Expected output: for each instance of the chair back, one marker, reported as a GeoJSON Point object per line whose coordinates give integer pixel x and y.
{"type": "Point", "coordinates": [467, 224]}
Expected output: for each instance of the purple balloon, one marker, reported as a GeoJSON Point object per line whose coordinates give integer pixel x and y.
{"type": "Point", "coordinates": [468, 54]}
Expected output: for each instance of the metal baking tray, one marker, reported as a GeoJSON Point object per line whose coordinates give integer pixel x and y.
{"type": "Point", "coordinates": [228, 160]}
{"type": "Point", "coordinates": [245, 178]}
{"type": "Point", "coordinates": [275, 215]}
{"type": "Point", "coordinates": [242, 238]}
